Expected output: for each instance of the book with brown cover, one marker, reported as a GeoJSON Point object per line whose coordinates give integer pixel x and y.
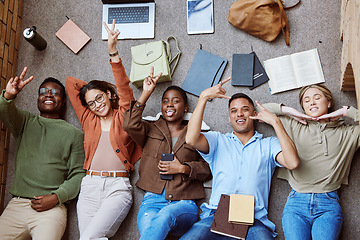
{"type": "Point", "coordinates": [222, 226]}
{"type": "Point", "coordinates": [72, 36]}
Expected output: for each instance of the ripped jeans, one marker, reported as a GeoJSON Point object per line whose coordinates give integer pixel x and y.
{"type": "Point", "coordinates": [159, 217]}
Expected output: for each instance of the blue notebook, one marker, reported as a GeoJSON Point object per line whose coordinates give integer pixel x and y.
{"type": "Point", "coordinates": [205, 71]}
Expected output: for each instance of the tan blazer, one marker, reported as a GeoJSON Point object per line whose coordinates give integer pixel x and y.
{"type": "Point", "coordinates": [155, 139]}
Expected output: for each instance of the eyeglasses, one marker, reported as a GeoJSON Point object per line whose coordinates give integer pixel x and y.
{"type": "Point", "coordinates": [52, 91]}
{"type": "Point", "coordinates": [99, 99]}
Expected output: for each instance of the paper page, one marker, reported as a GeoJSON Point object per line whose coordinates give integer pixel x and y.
{"type": "Point", "coordinates": [307, 67]}
{"type": "Point", "coordinates": [281, 74]}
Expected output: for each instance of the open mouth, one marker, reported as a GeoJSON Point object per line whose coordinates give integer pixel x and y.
{"type": "Point", "coordinates": [240, 121]}
{"type": "Point", "coordinates": [48, 102]}
{"type": "Point", "coordinates": [313, 109]}
{"type": "Point", "coordinates": [170, 113]}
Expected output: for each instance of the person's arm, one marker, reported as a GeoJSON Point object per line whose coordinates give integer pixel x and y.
{"type": "Point", "coordinates": [281, 109]}
{"type": "Point", "coordinates": [288, 156]}
{"type": "Point", "coordinates": [193, 135]}
{"type": "Point", "coordinates": [73, 86]}
{"type": "Point", "coordinates": [121, 79]}
{"type": "Point", "coordinates": [12, 117]}
{"type": "Point", "coordinates": [197, 169]}
{"type": "Point", "coordinates": [345, 111]}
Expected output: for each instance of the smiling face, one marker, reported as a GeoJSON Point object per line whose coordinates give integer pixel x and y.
{"type": "Point", "coordinates": [173, 106]}
{"type": "Point", "coordinates": [51, 102]}
{"type": "Point", "coordinates": [239, 111]}
{"type": "Point", "coordinates": [315, 103]}
{"type": "Point", "coordinates": [99, 102]}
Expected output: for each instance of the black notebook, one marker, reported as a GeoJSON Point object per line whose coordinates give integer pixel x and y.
{"type": "Point", "coordinates": [242, 69]}
{"type": "Point", "coordinates": [221, 224]}
{"type": "Point", "coordinates": [260, 75]}
{"type": "Point", "coordinates": [205, 71]}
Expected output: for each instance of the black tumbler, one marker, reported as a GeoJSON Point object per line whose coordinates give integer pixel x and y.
{"type": "Point", "coordinates": [34, 38]}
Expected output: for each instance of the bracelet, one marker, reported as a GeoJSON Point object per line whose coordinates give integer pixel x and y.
{"type": "Point", "coordinates": [114, 54]}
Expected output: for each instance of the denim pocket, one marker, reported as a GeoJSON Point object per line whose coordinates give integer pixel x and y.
{"type": "Point", "coordinates": [292, 194]}
{"type": "Point", "coordinates": [332, 196]}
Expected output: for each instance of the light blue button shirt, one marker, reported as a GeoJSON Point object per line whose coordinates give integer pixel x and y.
{"type": "Point", "coordinates": [242, 169]}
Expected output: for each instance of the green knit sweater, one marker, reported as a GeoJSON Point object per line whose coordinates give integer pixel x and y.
{"type": "Point", "coordinates": [49, 154]}
{"type": "Point", "coordinates": [325, 151]}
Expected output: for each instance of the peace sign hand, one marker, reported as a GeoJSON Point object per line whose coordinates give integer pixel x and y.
{"type": "Point", "coordinates": [15, 85]}
{"type": "Point", "coordinates": [216, 91]}
{"type": "Point", "coordinates": [112, 36]}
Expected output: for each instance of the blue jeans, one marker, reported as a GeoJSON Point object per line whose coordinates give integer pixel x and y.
{"type": "Point", "coordinates": [312, 216]}
{"type": "Point", "coordinates": [159, 217]}
{"type": "Point", "coordinates": [201, 229]}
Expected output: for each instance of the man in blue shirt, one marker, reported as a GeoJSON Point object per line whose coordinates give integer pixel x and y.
{"type": "Point", "coordinates": [242, 162]}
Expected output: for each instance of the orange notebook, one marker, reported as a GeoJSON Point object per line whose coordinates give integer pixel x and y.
{"type": "Point", "coordinates": [72, 36]}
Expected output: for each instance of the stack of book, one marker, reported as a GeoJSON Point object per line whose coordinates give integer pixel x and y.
{"type": "Point", "coordinates": [247, 71]}
{"type": "Point", "coordinates": [234, 215]}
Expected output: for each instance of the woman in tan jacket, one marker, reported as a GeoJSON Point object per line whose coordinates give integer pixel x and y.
{"type": "Point", "coordinates": [168, 206]}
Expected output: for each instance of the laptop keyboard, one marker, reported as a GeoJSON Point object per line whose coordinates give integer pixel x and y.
{"type": "Point", "coordinates": [129, 14]}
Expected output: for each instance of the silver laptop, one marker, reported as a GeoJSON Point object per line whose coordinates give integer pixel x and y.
{"type": "Point", "coordinates": [135, 19]}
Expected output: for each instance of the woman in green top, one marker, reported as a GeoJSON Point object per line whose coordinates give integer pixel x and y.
{"type": "Point", "coordinates": [326, 146]}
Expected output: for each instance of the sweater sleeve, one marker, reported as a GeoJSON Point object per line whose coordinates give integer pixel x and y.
{"type": "Point", "coordinates": [73, 86]}
{"type": "Point", "coordinates": [11, 116]}
{"type": "Point", "coordinates": [353, 113]}
{"type": "Point", "coordinates": [134, 125]}
{"type": "Point", "coordinates": [122, 85]}
{"type": "Point", "coordinates": [272, 107]}
{"type": "Point", "coordinates": [70, 188]}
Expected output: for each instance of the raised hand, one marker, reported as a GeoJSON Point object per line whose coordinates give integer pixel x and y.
{"type": "Point", "coordinates": [298, 116]}
{"type": "Point", "coordinates": [15, 85]}
{"type": "Point", "coordinates": [333, 115]}
{"type": "Point", "coordinates": [112, 36]}
{"type": "Point", "coordinates": [264, 115]}
{"type": "Point", "coordinates": [149, 85]}
{"type": "Point", "coordinates": [216, 91]}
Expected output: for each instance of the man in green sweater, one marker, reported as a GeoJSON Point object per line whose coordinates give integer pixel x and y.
{"type": "Point", "coordinates": [48, 163]}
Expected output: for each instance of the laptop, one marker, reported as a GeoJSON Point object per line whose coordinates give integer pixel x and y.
{"type": "Point", "coordinates": [135, 19]}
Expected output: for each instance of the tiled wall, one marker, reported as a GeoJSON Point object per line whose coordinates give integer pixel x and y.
{"type": "Point", "coordinates": [10, 33]}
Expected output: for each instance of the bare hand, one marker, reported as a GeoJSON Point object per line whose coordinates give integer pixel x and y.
{"type": "Point", "coordinates": [44, 202]}
{"type": "Point", "coordinates": [171, 167]}
{"type": "Point", "coordinates": [264, 115]}
{"type": "Point", "coordinates": [298, 116]}
{"type": "Point", "coordinates": [333, 116]}
{"type": "Point", "coordinates": [15, 85]}
{"type": "Point", "coordinates": [216, 91]}
{"type": "Point", "coordinates": [150, 82]}
{"type": "Point", "coordinates": [112, 36]}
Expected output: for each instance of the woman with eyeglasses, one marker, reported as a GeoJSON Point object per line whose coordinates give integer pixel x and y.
{"type": "Point", "coordinates": [106, 194]}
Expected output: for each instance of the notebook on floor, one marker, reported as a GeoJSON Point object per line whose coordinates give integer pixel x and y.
{"type": "Point", "coordinates": [135, 19]}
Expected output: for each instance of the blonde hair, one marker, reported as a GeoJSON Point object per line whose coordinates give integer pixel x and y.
{"type": "Point", "coordinates": [327, 93]}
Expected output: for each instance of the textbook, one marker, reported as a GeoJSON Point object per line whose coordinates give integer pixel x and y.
{"type": "Point", "coordinates": [72, 36]}
{"type": "Point", "coordinates": [294, 71]}
{"type": "Point", "coordinates": [222, 226]}
{"type": "Point", "coordinates": [241, 209]}
{"type": "Point", "coordinates": [242, 69]}
{"type": "Point", "coordinates": [205, 71]}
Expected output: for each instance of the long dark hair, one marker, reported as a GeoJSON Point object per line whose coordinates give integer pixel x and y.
{"type": "Point", "coordinates": [102, 86]}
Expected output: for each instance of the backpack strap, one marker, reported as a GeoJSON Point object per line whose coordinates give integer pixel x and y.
{"type": "Point", "coordinates": [177, 56]}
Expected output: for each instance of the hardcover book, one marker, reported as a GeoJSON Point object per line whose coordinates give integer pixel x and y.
{"type": "Point", "coordinates": [241, 209]}
{"type": "Point", "coordinates": [72, 36]}
{"type": "Point", "coordinates": [294, 71]}
{"type": "Point", "coordinates": [260, 75]}
{"type": "Point", "coordinates": [205, 71]}
{"type": "Point", "coordinates": [242, 70]}
{"type": "Point", "coordinates": [222, 226]}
